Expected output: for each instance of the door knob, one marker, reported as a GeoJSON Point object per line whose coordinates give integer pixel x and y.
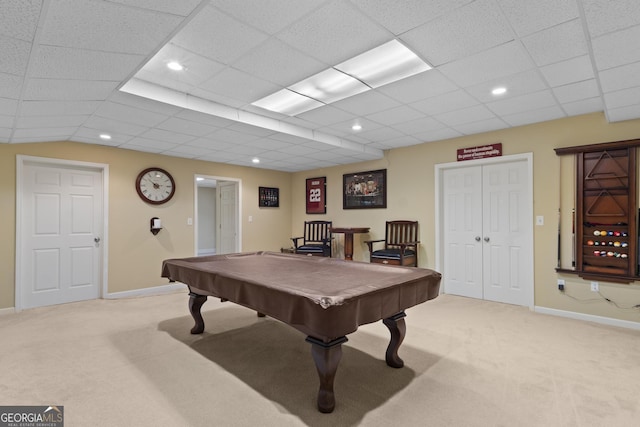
{"type": "Point", "coordinates": [97, 240]}
{"type": "Point", "coordinates": [486, 239]}
{"type": "Point", "coordinates": [477, 238]}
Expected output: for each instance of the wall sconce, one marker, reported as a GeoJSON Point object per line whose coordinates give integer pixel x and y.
{"type": "Point", "coordinates": [155, 225]}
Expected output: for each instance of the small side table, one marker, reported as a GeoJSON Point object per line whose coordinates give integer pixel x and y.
{"type": "Point", "coordinates": [348, 238]}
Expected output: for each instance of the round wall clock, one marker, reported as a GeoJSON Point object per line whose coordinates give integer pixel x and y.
{"type": "Point", "coordinates": [155, 186]}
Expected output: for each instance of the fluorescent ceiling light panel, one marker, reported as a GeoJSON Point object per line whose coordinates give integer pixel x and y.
{"type": "Point", "coordinates": [287, 102]}
{"type": "Point", "coordinates": [384, 64]}
{"type": "Point", "coordinates": [329, 86]}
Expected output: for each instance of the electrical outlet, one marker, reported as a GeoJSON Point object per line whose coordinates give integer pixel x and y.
{"type": "Point", "coordinates": [594, 287]}
{"type": "Point", "coordinates": [561, 285]}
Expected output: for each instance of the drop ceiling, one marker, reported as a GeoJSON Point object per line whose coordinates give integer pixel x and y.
{"type": "Point", "coordinates": [75, 69]}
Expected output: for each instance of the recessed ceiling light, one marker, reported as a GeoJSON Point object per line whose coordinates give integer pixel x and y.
{"type": "Point", "coordinates": [356, 126]}
{"type": "Point", "coordinates": [499, 91]}
{"type": "Point", "coordinates": [175, 66]}
{"type": "Point", "coordinates": [105, 136]}
{"type": "Point", "coordinates": [255, 160]}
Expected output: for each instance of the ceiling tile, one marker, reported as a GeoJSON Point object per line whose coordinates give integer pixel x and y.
{"type": "Point", "coordinates": [334, 33]}
{"type": "Point", "coordinates": [67, 90]}
{"type": "Point", "coordinates": [481, 126]}
{"type": "Point", "coordinates": [622, 98]}
{"type": "Point", "coordinates": [381, 134]}
{"type": "Point", "coordinates": [66, 63]}
{"type": "Point", "coordinates": [269, 16]}
{"type": "Point", "coordinates": [232, 38]}
{"type": "Point", "coordinates": [577, 91]}
{"type": "Point", "coordinates": [522, 103]}
{"type": "Point", "coordinates": [8, 107]}
{"type": "Point", "coordinates": [106, 26]}
{"type": "Point", "coordinates": [619, 48]}
{"type": "Point", "coordinates": [167, 136]}
{"type": "Point", "coordinates": [269, 58]}
{"type": "Point", "coordinates": [50, 121]}
{"type": "Point", "coordinates": [445, 103]}
{"type": "Point", "coordinates": [231, 136]}
{"type": "Point", "coordinates": [438, 135]}
{"type": "Point", "coordinates": [464, 31]}
{"type": "Point", "coordinates": [606, 16]}
{"type": "Point", "coordinates": [395, 115]}
{"type": "Point", "coordinates": [402, 16]}
{"type": "Point", "coordinates": [128, 114]}
{"type": "Point", "coordinates": [10, 86]}
{"type": "Point", "coordinates": [46, 134]}
{"type": "Point", "coordinates": [421, 86]}
{"type": "Point", "coordinates": [620, 77]}
{"type": "Point", "coordinates": [238, 85]}
{"type": "Point", "coordinates": [625, 113]}
{"type": "Point", "coordinates": [19, 18]}
{"type": "Point", "coordinates": [509, 58]}
{"type": "Point", "coordinates": [47, 108]}
{"type": "Point", "coordinates": [15, 55]}
{"type": "Point", "coordinates": [101, 124]}
{"type": "Point", "coordinates": [182, 7]}
{"type": "Point", "coordinates": [584, 106]}
{"type": "Point", "coordinates": [186, 127]}
{"type": "Point", "coordinates": [465, 115]}
{"type": "Point", "coordinates": [366, 103]}
{"type": "Point", "coordinates": [327, 115]}
{"type": "Point", "coordinates": [541, 115]}
{"type": "Point", "coordinates": [86, 134]}
{"type": "Point", "coordinates": [415, 127]}
{"type": "Point", "coordinates": [570, 71]}
{"type": "Point", "coordinates": [152, 144]}
{"type": "Point", "coordinates": [197, 68]}
{"type": "Point", "coordinates": [528, 16]}
{"type": "Point", "coordinates": [557, 43]}
{"type": "Point", "coordinates": [516, 84]}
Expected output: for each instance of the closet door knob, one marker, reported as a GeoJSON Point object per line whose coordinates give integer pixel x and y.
{"type": "Point", "coordinates": [477, 238]}
{"type": "Point", "coordinates": [486, 239]}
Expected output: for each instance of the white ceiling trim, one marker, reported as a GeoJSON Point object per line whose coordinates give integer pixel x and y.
{"type": "Point", "coordinates": [183, 100]}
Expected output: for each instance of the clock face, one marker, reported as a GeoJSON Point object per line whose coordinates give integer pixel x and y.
{"type": "Point", "coordinates": [155, 186]}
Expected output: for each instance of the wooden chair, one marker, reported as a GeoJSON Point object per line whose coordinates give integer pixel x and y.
{"type": "Point", "coordinates": [316, 240]}
{"type": "Point", "coordinates": [400, 244]}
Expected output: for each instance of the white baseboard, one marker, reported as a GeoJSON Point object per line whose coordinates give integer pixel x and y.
{"type": "Point", "coordinates": [588, 318]}
{"type": "Point", "coordinates": [155, 290]}
{"type": "Point", "coordinates": [8, 310]}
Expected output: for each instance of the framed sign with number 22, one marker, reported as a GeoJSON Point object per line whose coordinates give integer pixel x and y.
{"type": "Point", "coordinates": [315, 195]}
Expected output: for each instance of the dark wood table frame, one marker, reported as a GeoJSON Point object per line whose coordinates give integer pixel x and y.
{"type": "Point", "coordinates": [299, 292]}
{"type": "Point", "coordinates": [348, 238]}
{"type": "Point", "coordinates": [326, 355]}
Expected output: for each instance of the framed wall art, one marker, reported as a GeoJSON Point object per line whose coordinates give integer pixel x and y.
{"type": "Point", "coordinates": [364, 190]}
{"type": "Point", "coordinates": [268, 197]}
{"type": "Point", "coordinates": [316, 195]}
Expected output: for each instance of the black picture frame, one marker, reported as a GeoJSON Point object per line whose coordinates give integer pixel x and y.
{"type": "Point", "coordinates": [364, 190]}
{"type": "Point", "coordinates": [268, 197]}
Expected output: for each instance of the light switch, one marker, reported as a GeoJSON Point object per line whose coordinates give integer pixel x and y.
{"type": "Point", "coordinates": [250, 218]}
{"type": "Point", "coordinates": [189, 221]}
{"type": "Point", "coordinates": [539, 220]}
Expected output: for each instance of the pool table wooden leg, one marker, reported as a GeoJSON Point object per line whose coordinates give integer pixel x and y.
{"type": "Point", "coordinates": [398, 328]}
{"type": "Point", "coordinates": [195, 304]}
{"type": "Point", "coordinates": [326, 356]}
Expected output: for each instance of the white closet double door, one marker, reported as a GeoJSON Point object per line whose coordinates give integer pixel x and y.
{"type": "Point", "coordinates": [487, 232]}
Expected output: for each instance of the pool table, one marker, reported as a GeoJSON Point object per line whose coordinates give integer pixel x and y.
{"type": "Point", "coordinates": [324, 298]}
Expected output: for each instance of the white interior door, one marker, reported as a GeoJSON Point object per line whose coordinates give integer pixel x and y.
{"type": "Point", "coordinates": [463, 231]}
{"type": "Point", "coordinates": [507, 245]}
{"type": "Point", "coordinates": [487, 238]}
{"type": "Point", "coordinates": [60, 259]}
{"type": "Point", "coordinates": [227, 209]}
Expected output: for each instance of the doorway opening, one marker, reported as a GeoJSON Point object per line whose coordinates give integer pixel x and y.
{"type": "Point", "coordinates": [217, 225]}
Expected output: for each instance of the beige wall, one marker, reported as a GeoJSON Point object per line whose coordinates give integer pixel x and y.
{"type": "Point", "coordinates": [411, 195]}
{"type": "Point", "coordinates": [135, 255]}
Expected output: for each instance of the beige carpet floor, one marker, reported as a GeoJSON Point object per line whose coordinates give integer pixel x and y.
{"type": "Point", "coordinates": [132, 362]}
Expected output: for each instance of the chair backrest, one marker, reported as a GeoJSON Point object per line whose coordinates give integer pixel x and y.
{"type": "Point", "coordinates": [398, 232]}
{"type": "Point", "coordinates": [317, 231]}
